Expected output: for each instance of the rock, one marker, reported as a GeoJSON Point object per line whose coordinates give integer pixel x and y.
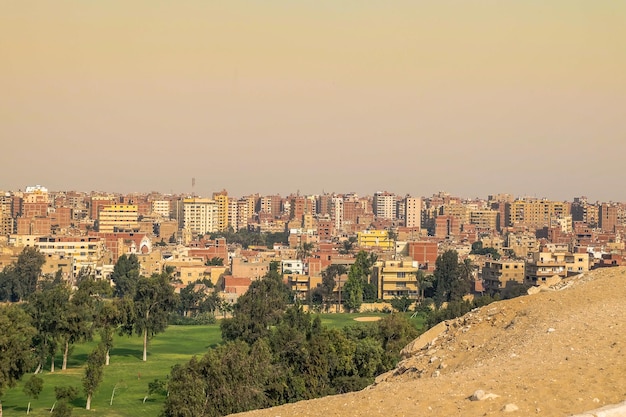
{"type": "Point", "coordinates": [478, 395]}
{"type": "Point", "coordinates": [423, 340]}
{"type": "Point", "coordinates": [550, 330]}
{"type": "Point", "coordinates": [509, 408]}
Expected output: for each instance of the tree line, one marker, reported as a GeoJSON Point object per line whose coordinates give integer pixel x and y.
{"type": "Point", "coordinates": [274, 353]}
{"type": "Point", "coordinates": [45, 316]}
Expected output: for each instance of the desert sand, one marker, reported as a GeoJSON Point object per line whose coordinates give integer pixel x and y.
{"type": "Point", "coordinates": [555, 353]}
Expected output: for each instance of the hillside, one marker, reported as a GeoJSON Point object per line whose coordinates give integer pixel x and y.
{"type": "Point", "coordinates": [555, 353]}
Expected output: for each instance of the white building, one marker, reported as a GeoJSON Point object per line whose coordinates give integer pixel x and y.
{"type": "Point", "coordinates": [200, 215]}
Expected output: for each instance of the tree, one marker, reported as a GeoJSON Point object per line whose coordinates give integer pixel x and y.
{"type": "Point", "coordinates": [94, 371]}
{"type": "Point", "coordinates": [258, 309]}
{"type": "Point", "coordinates": [125, 275]}
{"type": "Point", "coordinates": [328, 280]}
{"type": "Point", "coordinates": [80, 313]}
{"type": "Point", "coordinates": [401, 304]}
{"type": "Point", "coordinates": [215, 261]}
{"type": "Point", "coordinates": [358, 277]}
{"type": "Point", "coordinates": [48, 308]}
{"type": "Point", "coordinates": [20, 279]}
{"type": "Point", "coordinates": [154, 299]}
{"type": "Point", "coordinates": [424, 282]}
{"type": "Point", "coordinates": [16, 336]}
{"type": "Point", "coordinates": [64, 395]}
{"type": "Point", "coordinates": [347, 246]}
{"type": "Point", "coordinates": [107, 318]}
{"type": "Point", "coordinates": [465, 278]}
{"type": "Point", "coordinates": [28, 269]}
{"type": "Point", "coordinates": [304, 250]}
{"type": "Point", "coordinates": [446, 272]}
{"type": "Point", "coordinates": [32, 388]}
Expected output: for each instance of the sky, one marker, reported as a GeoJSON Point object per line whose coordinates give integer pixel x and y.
{"type": "Point", "coordinates": [471, 97]}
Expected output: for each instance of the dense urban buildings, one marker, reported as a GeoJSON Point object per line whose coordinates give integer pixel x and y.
{"type": "Point", "coordinates": [508, 240]}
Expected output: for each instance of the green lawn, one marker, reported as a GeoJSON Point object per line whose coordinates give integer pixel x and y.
{"type": "Point", "coordinates": [332, 320]}
{"type": "Point", "coordinates": [127, 373]}
{"type": "Point", "coordinates": [130, 375]}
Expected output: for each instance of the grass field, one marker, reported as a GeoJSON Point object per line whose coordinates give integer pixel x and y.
{"type": "Point", "coordinates": [129, 375]}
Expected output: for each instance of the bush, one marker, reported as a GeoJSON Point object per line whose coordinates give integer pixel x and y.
{"type": "Point", "coordinates": [195, 320]}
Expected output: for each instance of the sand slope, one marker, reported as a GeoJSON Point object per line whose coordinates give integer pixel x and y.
{"type": "Point", "coordinates": [555, 353]}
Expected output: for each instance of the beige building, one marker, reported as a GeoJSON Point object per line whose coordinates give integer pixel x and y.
{"type": "Point", "coordinates": [118, 218]}
{"type": "Point", "coordinates": [547, 264]}
{"type": "Point", "coordinates": [200, 215]}
{"type": "Point", "coordinates": [395, 278]}
{"type": "Point", "coordinates": [413, 212]}
{"type": "Point", "coordinates": [498, 276]}
{"type": "Point", "coordinates": [485, 220]}
{"type": "Point", "coordinates": [535, 214]}
{"type": "Point", "coordinates": [221, 199]}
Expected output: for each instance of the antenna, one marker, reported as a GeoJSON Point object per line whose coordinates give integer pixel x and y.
{"type": "Point", "coordinates": [193, 185]}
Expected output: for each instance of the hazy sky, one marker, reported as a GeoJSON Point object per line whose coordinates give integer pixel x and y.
{"type": "Point", "coordinates": [470, 97]}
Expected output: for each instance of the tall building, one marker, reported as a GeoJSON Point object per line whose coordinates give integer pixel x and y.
{"type": "Point", "coordinates": [161, 208]}
{"type": "Point", "coordinates": [221, 198]}
{"type": "Point", "coordinates": [385, 205]}
{"type": "Point", "coordinates": [607, 216]}
{"type": "Point", "coordinates": [200, 215]}
{"type": "Point", "coordinates": [6, 214]}
{"type": "Point", "coordinates": [412, 212]}
{"type": "Point", "coordinates": [534, 213]}
{"type": "Point", "coordinates": [337, 213]}
{"type": "Point", "coordinates": [118, 218]}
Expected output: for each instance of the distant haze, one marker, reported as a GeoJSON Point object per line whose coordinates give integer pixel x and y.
{"type": "Point", "coordinates": [471, 97]}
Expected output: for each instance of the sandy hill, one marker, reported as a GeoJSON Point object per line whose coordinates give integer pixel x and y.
{"type": "Point", "coordinates": [555, 353]}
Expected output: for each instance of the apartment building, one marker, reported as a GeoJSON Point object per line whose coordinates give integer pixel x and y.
{"type": "Point", "coordinates": [500, 275]}
{"type": "Point", "coordinates": [534, 213]}
{"type": "Point", "coordinates": [374, 238]}
{"type": "Point", "coordinates": [81, 251]}
{"type": "Point", "coordinates": [396, 278]}
{"type": "Point", "coordinates": [384, 205]}
{"type": "Point", "coordinates": [200, 215]}
{"type": "Point", "coordinates": [547, 264]}
{"type": "Point", "coordinates": [485, 220]}
{"type": "Point", "coordinates": [607, 217]}
{"type": "Point", "coordinates": [161, 208]}
{"type": "Point", "coordinates": [413, 212]}
{"type": "Point", "coordinates": [7, 223]}
{"type": "Point", "coordinates": [221, 199]}
{"type": "Point", "coordinates": [118, 218]}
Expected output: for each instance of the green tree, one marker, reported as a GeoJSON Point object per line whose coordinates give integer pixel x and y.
{"type": "Point", "coordinates": [20, 279]}
{"type": "Point", "coordinates": [256, 310]}
{"type": "Point", "coordinates": [304, 250]}
{"type": "Point", "coordinates": [94, 372]}
{"type": "Point", "coordinates": [64, 395]}
{"type": "Point", "coordinates": [16, 337]}
{"type": "Point", "coordinates": [48, 308]}
{"type": "Point", "coordinates": [125, 275]}
{"type": "Point", "coordinates": [215, 261]}
{"type": "Point", "coordinates": [329, 275]}
{"type": "Point", "coordinates": [446, 274]}
{"type": "Point", "coordinates": [401, 304]}
{"type": "Point", "coordinates": [347, 246]}
{"type": "Point", "coordinates": [424, 282]}
{"type": "Point", "coordinates": [32, 388]}
{"type": "Point", "coordinates": [358, 277]}
{"type": "Point", "coordinates": [154, 299]}
{"type": "Point", "coordinates": [28, 269]}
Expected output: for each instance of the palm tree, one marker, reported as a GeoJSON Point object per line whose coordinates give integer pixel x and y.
{"type": "Point", "coordinates": [304, 251]}
{"type": "Point", "coordinates": [328, 280]}
{"type": "Point", "coordinates": [424, 282]}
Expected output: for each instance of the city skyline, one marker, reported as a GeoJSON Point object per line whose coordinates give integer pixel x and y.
{"type": "Point", "coordinates": [472, 98]}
